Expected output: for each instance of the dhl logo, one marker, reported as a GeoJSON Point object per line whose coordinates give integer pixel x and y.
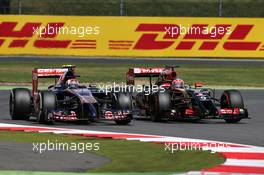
{"type": "Point", "coordinates": [22, 37]}
{"type": "Point", "coordinates": [234, 42]}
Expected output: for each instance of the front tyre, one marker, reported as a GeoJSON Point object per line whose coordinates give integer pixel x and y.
{"type": "Point", "coordinates": [160, 103]}
{"type": "Point", "coordinates": [233, 120]}
{"type": "Point", "coordinates": [232, 99]}
{"type": "Point", "coordinates": [123, 122]}
{"type": "Point", "coordinates": [20, 104]}
{"type": "Point", "coordinates": [123, 101]}
{"type": "Point", "coordinates": [47, 104]}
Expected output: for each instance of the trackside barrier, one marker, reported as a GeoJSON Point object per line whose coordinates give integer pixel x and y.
{"type": "Point", "coordinates": [132, 36]}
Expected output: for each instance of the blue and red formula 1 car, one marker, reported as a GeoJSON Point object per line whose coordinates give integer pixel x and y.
{"type": "Point", "coordinates": [67, 100]}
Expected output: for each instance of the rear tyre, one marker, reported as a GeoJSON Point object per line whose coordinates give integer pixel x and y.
{"type": "Point", "coordinates": [232, 99]}
{"type": "Point", "coordinates": [154, 111]}
{"type": "Point", "coordinates": [47, 103]}
{"type": "Point", "coordinates": [159, 104]}
{"type": "Point", "coordinates": [20, 104]}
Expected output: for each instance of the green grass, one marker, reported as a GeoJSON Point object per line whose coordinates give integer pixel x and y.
{"type": "Point", "coordinates": [129, 156]}
{"type": "Point", "coordinates": [231, 8]}
{"type": "Point", "coordinates": [91, 72]}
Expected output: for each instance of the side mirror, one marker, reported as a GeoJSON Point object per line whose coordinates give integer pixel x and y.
{"type": "Point", "coordinates": [198, 85]}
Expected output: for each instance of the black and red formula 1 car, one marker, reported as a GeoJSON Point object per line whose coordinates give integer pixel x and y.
{"type": "Point", "coordinates": [172, 99]}
{"type": "Point", "coordinates": [67, 100]}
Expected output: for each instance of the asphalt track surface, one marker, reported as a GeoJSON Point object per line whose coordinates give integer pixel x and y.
{"type": "Point", "coordinates": [248, 131]}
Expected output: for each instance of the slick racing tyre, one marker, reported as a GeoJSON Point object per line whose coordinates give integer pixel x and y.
{"type": "Point", "coordinates": [20, 104]}
{"type": "Point", "coordinates": [123, 122]}
{"type": "Point", "coordinates": [159, 103]}
{"type": "Point", "coordinates": [232, 99]}
{"type": "Point", "coordinates": [47, 103]}
{"type": "Point", "coordinates": [121, 101]}
{"type": "Point", "coordinates": [124, 101]}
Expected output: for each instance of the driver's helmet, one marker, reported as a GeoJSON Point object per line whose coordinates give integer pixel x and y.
{"type": "Point", "coordinates": [72, 83]}
{"type": "Point", "coordinates": [177, 84]}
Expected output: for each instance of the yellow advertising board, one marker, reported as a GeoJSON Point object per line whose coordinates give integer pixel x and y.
{"type": "Point", "coordinates": [132, 36]}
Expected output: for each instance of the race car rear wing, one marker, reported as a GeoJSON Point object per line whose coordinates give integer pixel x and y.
{"type": "Point", "coordinates": [167, 73]}
{"type": "Point", "coordinates": [50, 73]}
{"type": "Point", "coordinates": [142, 72]}
{"type": "Point", "coordinates": [45, 73]}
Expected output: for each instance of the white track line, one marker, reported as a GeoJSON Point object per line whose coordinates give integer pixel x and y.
{"type": "Point", "coordinates": [243, 162]}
